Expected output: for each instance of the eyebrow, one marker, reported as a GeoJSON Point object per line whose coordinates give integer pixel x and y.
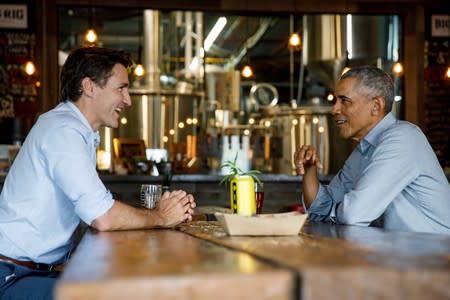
{"type": "Point", "coordinates": [342, 97]}
{"type": "Point", "coordinates": [124, 84]}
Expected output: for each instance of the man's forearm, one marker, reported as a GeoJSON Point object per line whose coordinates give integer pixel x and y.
{"type": "Point", "coordinates": [310, 186]}
{"type": "Point", "coordinates": [122, 216]}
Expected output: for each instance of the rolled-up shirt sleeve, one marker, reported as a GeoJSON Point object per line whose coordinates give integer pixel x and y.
{"type": "Point", "coordinates": [321, 207]}
{"type": "Point", "coordinates": [71, 165]}
{"type": "Point", "coordinates": [329, 196]}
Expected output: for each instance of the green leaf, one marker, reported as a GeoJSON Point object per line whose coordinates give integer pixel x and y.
{"type": "Point", "coordinates": [236, 171]}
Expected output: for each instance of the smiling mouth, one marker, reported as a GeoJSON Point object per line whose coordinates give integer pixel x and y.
{"type": "Point", "coordinates": [340, 122]}
{"type": "Point", "coordinates": [118, 110]}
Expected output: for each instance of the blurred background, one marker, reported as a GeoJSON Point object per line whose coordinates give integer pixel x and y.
{"type": "Point", "coordinates": [193, 99]}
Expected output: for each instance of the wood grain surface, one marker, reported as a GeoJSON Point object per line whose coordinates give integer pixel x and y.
{"type": "Point", "coordinates": [350, 262]}
{"type": "Point", "coordinates": [167, 264]}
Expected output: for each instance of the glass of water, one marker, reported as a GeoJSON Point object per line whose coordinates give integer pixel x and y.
{"type": "Point", "coordinates": [150, 195]}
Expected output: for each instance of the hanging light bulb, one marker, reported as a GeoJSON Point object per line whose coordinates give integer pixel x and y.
{"type": "Point", "coordinates": [91, 36]}
{"type": "Point", "coordinates": [247, 71]}
{"type": "Point", "coordinates": [397, 69]}
{"type": "Point", "coordinates": [139, 70]}
{"type": "Point", "coordinates": [295, 41]}
{"type": "Point", "coordinates": [30, 68]}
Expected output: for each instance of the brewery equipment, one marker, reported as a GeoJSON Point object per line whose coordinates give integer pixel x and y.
{"type": "Point", "coordinates": [308, 125]}
{"type": "Point", "coordinates": [206, 114]}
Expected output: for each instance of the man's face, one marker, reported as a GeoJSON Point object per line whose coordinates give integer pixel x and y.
{"type": "Point", "coordinates": [111, 99]}
{"type": "Point", "coordinates": [353, 111]}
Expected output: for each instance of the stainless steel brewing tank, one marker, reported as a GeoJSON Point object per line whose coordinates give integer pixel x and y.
{"type": "Point", "coordinates": [311, 125]}
{"type": "Point", "coordinates": [364, 39]}
{"type": "Point", "coordinates": [159, 118]}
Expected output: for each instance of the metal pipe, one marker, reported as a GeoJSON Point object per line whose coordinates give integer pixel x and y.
{"type": "Point", "coordinates": [151, 49]}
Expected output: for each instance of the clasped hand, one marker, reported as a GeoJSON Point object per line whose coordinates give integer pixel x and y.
{"type": "Point", "coordinates": [176, 207]}
{"type": "Point", "coordinates": [305, 158]}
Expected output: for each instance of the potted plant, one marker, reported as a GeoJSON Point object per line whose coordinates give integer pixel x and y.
{"type": "Point", "coordinates": [242, 188]}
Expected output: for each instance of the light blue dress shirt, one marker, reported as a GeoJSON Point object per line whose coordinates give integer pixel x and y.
{"type": "Point", "coordinates": [52, 184]}
{"type": "Point", "coordinates": [392, 178]}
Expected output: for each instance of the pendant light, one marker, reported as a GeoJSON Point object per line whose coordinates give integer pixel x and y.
{"type": "Point", "coordinates": [90, 37]}
{"type": "Point", "coordinates": [139, 70]}
{"type": "Point", "coordinates": [247, 70]}
{"type": "Point", "coordinates": [295, 41]}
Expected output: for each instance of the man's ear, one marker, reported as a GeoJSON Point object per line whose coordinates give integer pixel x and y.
{"type": "Point", "coordinates": [88, 86]}
{"type": "Point", "coordinates": [378, 105]}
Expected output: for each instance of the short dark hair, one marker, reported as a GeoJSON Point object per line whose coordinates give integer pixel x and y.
{"type": "Point", "coordinates": [373, 82]}
{"type": "Point", "coordinates": [93, 62]}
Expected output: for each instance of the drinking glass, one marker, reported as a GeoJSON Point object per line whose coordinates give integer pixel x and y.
{"type": "Point", "coordinates": [259, 196]}
{"type": "Point", "coordinates": [150, 195]}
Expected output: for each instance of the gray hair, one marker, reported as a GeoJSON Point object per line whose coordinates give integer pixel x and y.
{"type": "Point", "coordinates": [373, 82]}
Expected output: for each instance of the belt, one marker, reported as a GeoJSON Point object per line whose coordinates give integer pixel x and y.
{"type": "Point", "coordinates": [27, 264]}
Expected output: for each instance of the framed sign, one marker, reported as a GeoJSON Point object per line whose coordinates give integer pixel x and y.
{"type": "Point", "coordinates": [127, 148]}
{"type": "Point", "coordinates": [440, 26]}
{"type": "Point", "coordinates": [13, 16]}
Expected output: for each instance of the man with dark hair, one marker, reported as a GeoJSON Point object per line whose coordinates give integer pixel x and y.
{"type": "Point", "coordinates": [392, 179]}
{"type": "Point", "coordinates": [53, 184]}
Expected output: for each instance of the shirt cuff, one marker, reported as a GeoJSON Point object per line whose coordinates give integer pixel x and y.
{"type": "Point", "coordinates": [333, 213]}
{"type": "Point", "coordinates": [321, 205]}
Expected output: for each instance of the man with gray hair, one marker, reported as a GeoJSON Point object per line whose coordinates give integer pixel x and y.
{"type": "Point", "coordinates": [392, 178]}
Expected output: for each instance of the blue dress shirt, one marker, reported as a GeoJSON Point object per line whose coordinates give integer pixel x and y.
{"type": "Point", "coordinates": [392, 178]}
{"type": "Point", "coordinates": [52, 184]}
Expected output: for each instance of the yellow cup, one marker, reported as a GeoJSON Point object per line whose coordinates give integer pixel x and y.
{"type": "Point", "coordinates": [242, 194]}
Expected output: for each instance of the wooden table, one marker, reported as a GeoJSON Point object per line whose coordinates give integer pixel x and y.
{"type": "Point", "coordinates": [199, 261]}
{"type": "Point", "coordinates": [167, 264]}
{"type": "Point", "coordinates": [350, 262]}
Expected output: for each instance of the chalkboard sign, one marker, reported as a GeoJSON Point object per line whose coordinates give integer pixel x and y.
{"type": "Point", "coordinates": [437, 86]}
{"type": "Point", "coordinates": [18, 90]}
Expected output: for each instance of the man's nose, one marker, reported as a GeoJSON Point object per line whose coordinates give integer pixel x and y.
{"type": "Point", "coordinates": [127, 99]}
{"type": "Point", "coordinates": [336, 108]}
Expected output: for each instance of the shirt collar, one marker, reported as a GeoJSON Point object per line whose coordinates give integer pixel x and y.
{"type": "Point", "coordinates": [372, 138]}
{"type": "Point", "coordinates": [90, 134]}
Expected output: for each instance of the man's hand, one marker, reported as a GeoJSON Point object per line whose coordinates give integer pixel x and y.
{"type": "Point", "coordinates": [305, 158]}
{"type": "Point", "coordinates": [175, 207]}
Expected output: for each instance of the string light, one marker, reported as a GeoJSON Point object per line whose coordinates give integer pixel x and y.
{"type": "Point", "coordinates": [247, 71]}
{"type": "Point", "coordinates": [397, 69]}
{"type": "Point", "coordinates": [330, 96]}
{"type": "Point", "coordinates": [30, 68]}
{"type": "Point", "coordinates": [139, 70]}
